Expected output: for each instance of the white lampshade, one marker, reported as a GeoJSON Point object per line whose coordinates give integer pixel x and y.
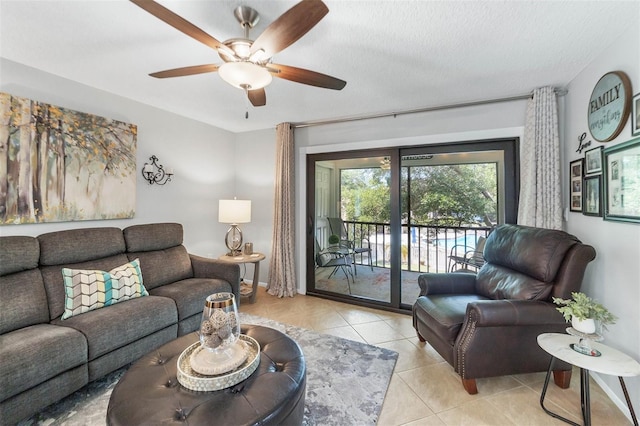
{"type": "Point", "coordinates": [240, 74]}
{"type": "Point", "coordinates": [234, 211]}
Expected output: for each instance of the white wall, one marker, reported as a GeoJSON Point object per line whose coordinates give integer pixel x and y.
{"type": "Point", "coordinates": [255, 154]}
{"type": "Point", "coordinates": [202, 157]}
{"type": "Point", "coordinates": [613, 278]}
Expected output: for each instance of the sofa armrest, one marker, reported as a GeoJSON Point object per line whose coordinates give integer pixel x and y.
{"type": "Point", "coordinates": [447, 283]}
{"type": "Point", "coordinates": [492, 313]}
{"type": "Point", "coordinates": [204, 267]}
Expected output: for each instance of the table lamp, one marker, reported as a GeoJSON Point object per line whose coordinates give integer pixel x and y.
{"type": "Point", "coordinates": [234, 212]}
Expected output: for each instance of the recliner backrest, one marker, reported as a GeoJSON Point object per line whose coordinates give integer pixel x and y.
{"type": "Point", "coordinates": [527, 263]}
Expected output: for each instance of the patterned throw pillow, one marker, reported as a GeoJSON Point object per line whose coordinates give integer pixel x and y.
{"type": "Point", "coordinates": [87, 290]}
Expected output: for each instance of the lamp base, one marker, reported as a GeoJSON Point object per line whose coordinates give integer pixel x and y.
{"type": "Point", "coordinates": [233, 240]}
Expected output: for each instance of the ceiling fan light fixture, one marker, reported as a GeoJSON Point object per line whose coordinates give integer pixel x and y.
{"type": "Point", "coordinates": [245, 75]}
{"type": "Point", "coordinates": [238, 48]}
{"type": "Point", "coordinates": [258, 56]}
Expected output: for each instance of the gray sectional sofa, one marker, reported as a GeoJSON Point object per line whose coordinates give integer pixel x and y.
{"type": "Point", "coordinates": [44, 358]}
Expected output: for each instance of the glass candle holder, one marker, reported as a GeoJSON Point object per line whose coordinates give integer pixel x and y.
{"type": "Point", "coordinates": [220, 325]}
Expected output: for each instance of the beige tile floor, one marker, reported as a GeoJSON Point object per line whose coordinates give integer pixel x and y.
{"type": "Point", "coordinates": [424, 389]}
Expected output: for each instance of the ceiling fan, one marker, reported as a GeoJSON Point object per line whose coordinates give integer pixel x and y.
{"type": "Point", "coordinates": [247, 63]}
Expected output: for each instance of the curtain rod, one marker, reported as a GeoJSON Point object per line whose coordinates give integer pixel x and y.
{"type": "Point", "coordinates": [302, 124]}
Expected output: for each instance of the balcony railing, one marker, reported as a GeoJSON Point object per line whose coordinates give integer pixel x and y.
{"type": "Point", "coordinates": [424, 248]}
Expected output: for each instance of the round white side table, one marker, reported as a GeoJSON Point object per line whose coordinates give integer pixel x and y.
{"type": "Point", "coordinates": [611, 361]}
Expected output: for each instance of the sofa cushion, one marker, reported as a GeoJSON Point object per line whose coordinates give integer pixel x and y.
{"type": "Point", "coordinates": [21, 284]}
{"type": "Point", "coordinates": [54, 283]}
{"type": "Point", "coordinates": [35, 354]}
{"type": "Point", "coordinates": [120, 324]}
{"type": "Point", "coordinates": [190, 294]}
{"type": "Point", "coordinates": [80, 245]}
{"type": "Point", "coordinates": [153, 236]}
{"type": "Point", "coordinates": [18, 254]}
{"type": "Point", "coordinates": [87, 290]}
{"type": "Point", "coordinates": [444, 314]}
{"type": "Point", "coordinates": [162, 267]}
{"type": "Point", "coordinates": [23, 300]}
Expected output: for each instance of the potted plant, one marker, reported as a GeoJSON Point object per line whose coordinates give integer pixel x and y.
{"type": "Point", "coordinates": [334, 240]}
{"type": "Point", "coordinates": [583, 312]}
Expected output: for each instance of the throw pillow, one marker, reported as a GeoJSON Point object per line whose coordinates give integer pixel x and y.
{"type": "Point", "coordinates": [87, 290]}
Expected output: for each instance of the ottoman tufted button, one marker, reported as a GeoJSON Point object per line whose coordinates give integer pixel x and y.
{"type": "Point", "coordinates": [181, 414]}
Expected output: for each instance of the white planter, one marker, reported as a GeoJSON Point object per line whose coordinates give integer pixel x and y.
{"type": "Point", "coordinates": [587, 326]}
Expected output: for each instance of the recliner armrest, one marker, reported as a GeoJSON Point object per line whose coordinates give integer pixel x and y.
{"type": "Point", "coordinates": [204, 267]}
{"type": "Point", "coordinates": [492, 313]}
{"type": "Point", "coordinates": [448, 283]}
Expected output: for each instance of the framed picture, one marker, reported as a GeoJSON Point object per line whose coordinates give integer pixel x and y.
{"type": "Point", "coordinates": [593, 161]}
{"type": "Point", "coordinates": [622, 182]}
{"type": "Point", "coordinates": [65, 166]}
{"type": "Point", "coordinates": [635, 115]}
{"type": "Point", "coordinates": [592, 186]}
{"type": "Point", "coordinates": [575, 185]}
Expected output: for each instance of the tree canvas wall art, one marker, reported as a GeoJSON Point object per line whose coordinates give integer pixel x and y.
{"type": "Point", "coordinates": [60, 165]}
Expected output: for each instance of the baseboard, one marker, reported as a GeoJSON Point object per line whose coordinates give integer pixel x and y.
{"type": "Point", "coordinates": [261, 284]}
{"type": "Point", "coordinates": [621, 404]}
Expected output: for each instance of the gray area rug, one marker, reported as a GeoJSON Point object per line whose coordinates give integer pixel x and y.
{"type": "Point", "coordinates": [346, 383]}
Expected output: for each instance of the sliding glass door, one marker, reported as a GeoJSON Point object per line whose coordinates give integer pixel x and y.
{"type": "Point", "coordinates": [350, 226]}
{"type": "Point", "coordinates": [380, 218]}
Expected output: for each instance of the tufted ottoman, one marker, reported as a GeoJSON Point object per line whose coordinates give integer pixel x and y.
{"type": "Point", "coordinates": [149, 392]}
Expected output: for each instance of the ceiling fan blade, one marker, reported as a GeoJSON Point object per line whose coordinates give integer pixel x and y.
{"type": "Point", "coordinates": [179, 72]}
{"type": "Point", "coordinates": [289, 27]}
{"type": "Point", "coordinates": [303, 76]}
{"type": "Point", "coordinates": [178, 22]}
{"type": "Point", "coordinates": [257, 97]}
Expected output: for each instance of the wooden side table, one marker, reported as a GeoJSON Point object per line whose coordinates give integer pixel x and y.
{"type": "Point", "coordinates": [254, 258]}
{"type": "Point", "coordinates": [611, 361]}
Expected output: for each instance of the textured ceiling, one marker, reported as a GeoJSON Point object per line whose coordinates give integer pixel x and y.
{"type": "Point", "coordinates": [394, 55]}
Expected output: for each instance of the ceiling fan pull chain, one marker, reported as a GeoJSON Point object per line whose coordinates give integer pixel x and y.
{"type": "Point", "coordinates": [246, 101]}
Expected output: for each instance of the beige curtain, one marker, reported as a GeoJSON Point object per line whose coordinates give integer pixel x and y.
{"type": "Point", "coordinates": [282, 270]}
{"type": "Point", "coordinates": [540, 186]}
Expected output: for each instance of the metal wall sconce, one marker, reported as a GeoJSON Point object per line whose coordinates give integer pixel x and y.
{"type": "Point", "coordinates": [155, 173]}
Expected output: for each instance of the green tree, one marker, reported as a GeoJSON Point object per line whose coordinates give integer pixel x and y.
{"type": "Point", "coordinates": [454, 195]}
{"type": "Point", "coordinates": [365, 195]}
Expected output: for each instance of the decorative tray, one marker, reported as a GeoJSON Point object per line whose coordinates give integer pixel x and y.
{"type": "Point", "coordinates": [195, 381]}
{"type": "Point", "coordinates": [584, 344]}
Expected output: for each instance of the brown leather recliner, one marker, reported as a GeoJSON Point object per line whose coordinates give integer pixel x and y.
{"type": "Point", "coordinates": [486, 325]}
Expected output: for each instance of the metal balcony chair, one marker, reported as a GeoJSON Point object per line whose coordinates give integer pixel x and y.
{"type": "Point", "coordinates": [338, 228]}
{"type": "Point", "coordinates": [471, 258]}
{"type": "Point", "coordinates": [335, 260]}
